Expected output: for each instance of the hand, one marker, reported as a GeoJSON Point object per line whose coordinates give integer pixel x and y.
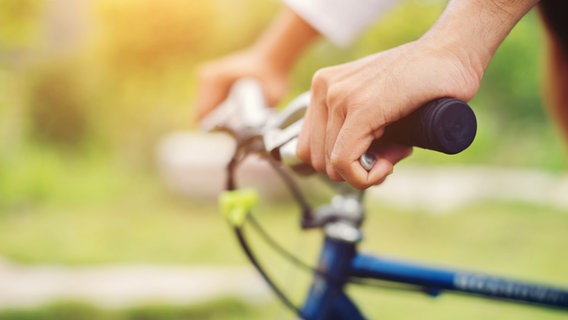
{"type": "Point", "coordinates": [352, 103]}
{"type": "Point", "coordinates": [217, 77]}
{"type": "Point", "coordinates": [269, 60]}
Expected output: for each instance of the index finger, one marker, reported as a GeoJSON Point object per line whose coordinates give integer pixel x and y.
{"type": "Point", "coordinates": [352, 141]}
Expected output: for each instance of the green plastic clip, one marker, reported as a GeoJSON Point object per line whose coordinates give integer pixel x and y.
{"type": "Point", "coordinates": [237, 204]}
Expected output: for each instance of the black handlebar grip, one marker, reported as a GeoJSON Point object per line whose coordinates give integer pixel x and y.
{"type": "Point", "coordinates": [446, 125]}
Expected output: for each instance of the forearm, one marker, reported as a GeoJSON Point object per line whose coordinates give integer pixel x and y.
{"type": "Point", "coordinates": [474, 29]}
{"type": "Point", "coordinates": [287, 37]}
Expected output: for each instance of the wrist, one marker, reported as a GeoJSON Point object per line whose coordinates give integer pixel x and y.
{"type": "Point", "coordinates": [474, 29]}
{"type": "Point", "coordinates": [284, 41]}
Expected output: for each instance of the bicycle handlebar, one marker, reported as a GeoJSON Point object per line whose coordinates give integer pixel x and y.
{"type": "Point", "coordinates": [445, 125]}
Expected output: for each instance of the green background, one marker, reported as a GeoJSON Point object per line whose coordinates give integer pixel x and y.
{"type": "Point", "coordinates": [81, 112]}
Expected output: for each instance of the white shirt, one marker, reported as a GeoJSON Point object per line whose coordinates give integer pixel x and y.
{"type": "Point", "coordinates": [341, 21]}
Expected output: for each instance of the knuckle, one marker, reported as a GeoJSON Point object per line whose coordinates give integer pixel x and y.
{"type": "Point", "coordinates": [360, 185]}
{"type": "Point", "coordinates": [338, 165]}
{"type": "Point", "coordinates": [319, 166]}
{"type": "Point", "coordinates": [318, 162]}
{"type": "Point", "coordinates": [334, 177]}
{"type": "Point", "coordinates": [320, 80]}
{"type": "Point", "coordinates": [303, 156]}
{"type": "Point", "coordinates": [334, 97]}
{"type": "Point", "coordinates": [338, 162]}
{"type": "Point", "coordinates": [303, 151]}
{"type": "Point", "coordinates": [319, 76]}
{"type": "Point", "coordinates": [332, 174]}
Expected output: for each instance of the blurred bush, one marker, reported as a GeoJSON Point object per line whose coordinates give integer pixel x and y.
{"type": "Point", "coordinates": [145, 55]}
{"type": "Point", "coordinates": [93, 80]}
{"type": "Point", "coordinates": [57, 104]}
{"type": "Point", "coordinates": [117, 75]}
{"type": "Point", "coordinates": [19, 22]}
{"type": "Point", "coordinates": [149, 35]}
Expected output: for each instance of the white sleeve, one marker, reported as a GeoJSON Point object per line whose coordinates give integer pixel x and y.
{"type": "Point", "coordinates": [341, 21]}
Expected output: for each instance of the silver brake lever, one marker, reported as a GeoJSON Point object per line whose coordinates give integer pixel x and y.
{"type": "Point", "coordinates": [281, 139]}
{"type": "Point", "coordinates": [245, 107]}
{"type": "Point", "coordinates": [287, 124]}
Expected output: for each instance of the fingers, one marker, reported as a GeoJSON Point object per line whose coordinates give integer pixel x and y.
{"type": "Point", "coordinates": [337, 131]}
{"type": "Point", "coordinates": [213, 89]}
{"type": "Point", "coordinates": [274, 88]}
{"type": "Point", "coordinates": [344, 164]}
{"type": "Point", "coordinates": [217, 77]}
{"type": "Point", "coordinates": [336, 118]}
{"type": "Point", "coordinates": [352, 142]}
{"type": "Point", "coordinates": [386, 158]}
{"type": "Point", "coordinates": [311, 142]}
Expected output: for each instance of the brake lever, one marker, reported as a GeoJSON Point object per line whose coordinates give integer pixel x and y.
{"type": "Point", "coordinates": [244, 108]}
{"type": "Point", "coordinates": [281, 140]}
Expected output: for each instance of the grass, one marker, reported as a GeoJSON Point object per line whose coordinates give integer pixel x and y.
{"type": "Point", "coordinates": [508, 239]}
{"type": "Point", "coordinates": [138, 227]}
{"type": "Point", "coordinates": [225, 309]}
{"type": "Point", "coordinates": [90, 212]}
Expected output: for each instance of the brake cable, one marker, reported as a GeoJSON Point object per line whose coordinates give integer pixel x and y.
{"type": "Point", "coordinates": [239, 232]}
{"type": "Point", "coordinates": [237, 225]}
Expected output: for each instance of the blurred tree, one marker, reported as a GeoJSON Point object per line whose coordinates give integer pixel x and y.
{"type": "Point", "coordinates": [19, 36]}
{"type": "Point", "coordinates": [18, 23]}
{"type": "Point", "coordinates": [123, 72]}
{"type": "Point", "coordinates": [145, 34]}
{"type": "Point", "coordinates": [58, 107]}
{"type": "Point", "coordinates": [144, 59]}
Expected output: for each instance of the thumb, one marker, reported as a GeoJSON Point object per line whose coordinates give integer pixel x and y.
{"type": "Point", "coordinates": [275, 90]}
{"type": "Point", "coordinates": [209, 97]}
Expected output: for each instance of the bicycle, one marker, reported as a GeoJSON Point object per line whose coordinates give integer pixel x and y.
{"type": "Point", "coordinates": [445, 125]}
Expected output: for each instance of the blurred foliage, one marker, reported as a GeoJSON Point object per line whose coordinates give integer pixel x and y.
{"type": "Point", "coordinates": [88, 87]}
{"type": "Point", "coordinates": [128, 76]}
{"type": "Point", "coordinates": [96, 80]}
{"type": "Point", "coordinates": [81, 111]}
{"type": "Point", "coordinates": [150, 34]}
{"type": "Point", "coordinates": [57, 107]}
{"type": "Point", "coordinates": [19, 22]}
{"type": "Point", "coordinates": [125, 76]}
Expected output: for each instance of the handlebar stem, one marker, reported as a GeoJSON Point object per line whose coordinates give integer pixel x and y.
{"type": "Point", "coordinates": [341, 219]}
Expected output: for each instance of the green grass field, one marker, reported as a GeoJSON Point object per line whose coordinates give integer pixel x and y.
{"type": "Point", "coordinates": [132, 218]}
{"type": "Point", "coordinates": [77, 131]}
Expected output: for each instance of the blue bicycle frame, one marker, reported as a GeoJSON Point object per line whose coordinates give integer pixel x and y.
{"type": "Point", "coordinates": [339, 261]}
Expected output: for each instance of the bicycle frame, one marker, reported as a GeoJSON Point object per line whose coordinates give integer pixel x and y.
{"type": "Point", "coordinates": [340, 261]}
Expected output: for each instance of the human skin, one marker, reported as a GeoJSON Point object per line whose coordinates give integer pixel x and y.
{"type": "Point", "coordinates": [270, 60]}
{"type": "Point", "coordinates": [352, 103]}
{"type": "Point", "coordinates": [556, 80]}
